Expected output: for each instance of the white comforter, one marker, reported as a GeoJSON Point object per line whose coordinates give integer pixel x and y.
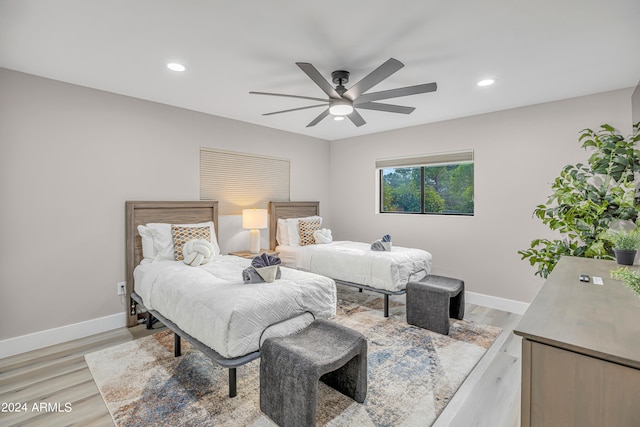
{"type": "Point", "coordinates": [355, 262]}
{"type": "Point", "coordinates": [213, 305]}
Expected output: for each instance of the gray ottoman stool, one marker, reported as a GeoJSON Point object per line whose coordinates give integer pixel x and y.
{"type": "Point", "coordinates": [432, 300]}
{"type": "Point", "coordinates": [290, 368]}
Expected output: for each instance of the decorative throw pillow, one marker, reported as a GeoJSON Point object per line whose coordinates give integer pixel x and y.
{"type": "Point", "coordinates": [182, 235]}
{"type": "Point", "coordinates": [163, 240]}
{"type": "Point", "coordinates": [322, 236]}
{"type": "Point", "coordinates": [307, 227]}
{"type": "Point", "coordinates": [294, 229]}
{"type": "Point", "coordinates": [197, 252]}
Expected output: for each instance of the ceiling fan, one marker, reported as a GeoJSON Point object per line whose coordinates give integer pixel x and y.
{"type": "Point", "coordinates": [343, 102]}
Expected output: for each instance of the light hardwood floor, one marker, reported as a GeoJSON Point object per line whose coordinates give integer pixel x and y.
{"type": "Point", "coordinates": [490, 396]}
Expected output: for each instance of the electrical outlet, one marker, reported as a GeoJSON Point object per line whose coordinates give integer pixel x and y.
{"type": "Point", "coordinates": [121, 287]}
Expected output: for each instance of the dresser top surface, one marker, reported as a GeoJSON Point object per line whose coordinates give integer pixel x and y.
{"type": "Point", "coordinates": [598, 320]}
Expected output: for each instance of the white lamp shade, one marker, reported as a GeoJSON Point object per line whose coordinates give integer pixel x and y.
{"type": "Point", "coordinates": [254, 218]}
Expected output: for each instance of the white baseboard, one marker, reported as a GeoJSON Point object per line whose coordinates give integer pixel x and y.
{"type": "Point", "coordinates": [24, 343]}
{"type": "Point", "coordinates": [497, 303]}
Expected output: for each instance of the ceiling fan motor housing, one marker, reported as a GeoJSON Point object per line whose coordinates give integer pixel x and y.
{"type": "Point", "coordinates": [340, 77]}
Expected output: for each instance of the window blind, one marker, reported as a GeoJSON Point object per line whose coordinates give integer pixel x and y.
{"type": "Point", "coordinates": [426, 159]}
{"type": "Point", "coordinates": [240, 181]}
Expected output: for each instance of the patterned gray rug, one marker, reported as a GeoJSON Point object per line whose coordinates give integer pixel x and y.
{"type": "Point", "coordinates": [413, 373]}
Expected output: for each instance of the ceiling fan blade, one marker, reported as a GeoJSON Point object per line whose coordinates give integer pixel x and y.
{"type": "Point", "coordinates": [386, 107]}
{"type": "Point", "coordinates": [395, 93]}
{"type": "Point", "coordinates": [295, 109]}
{"type": "Point", "coordinates": [356, 118]}
{"type": "Point", "coordinates": [373, 78]}
{"type": "Point", "coordinates": [317, 120]}
{"type": "Point", "coordinates": [315, 75]}
{"type": "Point", "coordinates": [289, 96]}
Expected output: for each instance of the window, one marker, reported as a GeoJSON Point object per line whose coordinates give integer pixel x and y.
{"type": "Point", "coordinates": [432, 184]}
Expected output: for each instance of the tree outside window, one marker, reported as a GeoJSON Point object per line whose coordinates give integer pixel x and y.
{"type": "Point", "coordinates": [430, 189]}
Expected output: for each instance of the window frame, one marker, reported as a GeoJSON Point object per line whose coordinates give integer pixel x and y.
{"type": "Point", "coordinates": [422, 162]}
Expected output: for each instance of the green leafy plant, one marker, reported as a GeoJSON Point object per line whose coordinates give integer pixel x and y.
{"type": "Point", "coordinates": [627, 240]}
{"type": "Point", "coordinates": [587, 199]}
{"type": "Point", "coordinates": [630, 278]}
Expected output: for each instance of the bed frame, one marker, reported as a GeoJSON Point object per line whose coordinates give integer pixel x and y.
{"type": "Point", "coordinates": [140, 213]}
{"type": "Point", "coordinates": [302, 209]}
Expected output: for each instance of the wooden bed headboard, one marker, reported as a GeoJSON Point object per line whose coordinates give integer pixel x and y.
{"type": "Point", "coordinates": [140, 213]}
{"type": "Point", "coordinates": [288, 210]}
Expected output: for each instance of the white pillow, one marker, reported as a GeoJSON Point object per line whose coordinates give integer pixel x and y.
{"type": "Point", "coordinates": [282, 234]}
{"type": "Point", "coordinates": [294, 231]}
{"type": "Point", "coordinates": [148, 253]}
{"type": "Point", "coordinates": [323, 236]}
{"type": "Point", "coordinates": [163, 241]}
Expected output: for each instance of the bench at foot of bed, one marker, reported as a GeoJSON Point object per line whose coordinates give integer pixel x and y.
{"type": "Point", "coordinates": [432, 300]}
{"type": "Point", "coordinates": [291, 367]}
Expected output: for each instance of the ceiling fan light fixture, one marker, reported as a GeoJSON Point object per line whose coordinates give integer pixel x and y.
{"type": "Point", "coordinates": [341, 108]}
{"type": "Point", "coordinates": [338, 118]}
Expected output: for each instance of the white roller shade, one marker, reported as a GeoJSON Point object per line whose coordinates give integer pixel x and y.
{"type": "Point", "coordinates": [426, 159]}
{"type": "Point", "coordinates": [239, 181]}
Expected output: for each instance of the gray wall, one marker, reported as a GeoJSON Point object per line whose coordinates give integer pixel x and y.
{"type": "Point", "coordinates": [518, 153]}
{"type": "Point", "coordinates": [71, 156]}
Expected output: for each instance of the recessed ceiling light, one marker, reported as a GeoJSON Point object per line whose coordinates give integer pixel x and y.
{"type": "Point", "coordinates": [174, 66]}
{"type": "Point", "coordinates": [338, 118]}
{"type": "Point", "coordinates": [487, 82]}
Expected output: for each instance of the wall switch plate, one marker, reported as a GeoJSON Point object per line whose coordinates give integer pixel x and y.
{"type": "Point", "coordinates": [121, 287]}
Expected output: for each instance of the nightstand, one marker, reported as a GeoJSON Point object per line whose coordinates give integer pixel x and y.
{"type": "Point", "coordinates": [249, 255]}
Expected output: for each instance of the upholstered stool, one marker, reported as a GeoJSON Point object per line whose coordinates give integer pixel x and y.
{"type": "Point", "coordinates": [290, 368]}
{"type": "Point", "coordinates": [432, 300]}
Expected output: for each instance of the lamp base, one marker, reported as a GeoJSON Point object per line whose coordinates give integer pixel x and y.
{"type": "Point", "coordinates": [254, 241]}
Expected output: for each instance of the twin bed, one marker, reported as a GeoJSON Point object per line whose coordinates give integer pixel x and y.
{"type": "Point", "coordinates": [210, 306]}
{"type": "Point", "coordinates": [348, 263]}
{"type": "Point", "coordinates": [215, 311]}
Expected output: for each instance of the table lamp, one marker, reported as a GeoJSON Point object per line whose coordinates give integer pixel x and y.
{"type": "Point", "coordinates": [254, 219]}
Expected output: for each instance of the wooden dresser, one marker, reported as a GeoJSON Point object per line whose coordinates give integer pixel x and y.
{"type": "Point", "coordinates": [581, 350]}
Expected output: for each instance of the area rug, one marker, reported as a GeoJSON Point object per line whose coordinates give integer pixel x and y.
{"type": "Point", "coordinates": [413, 373]}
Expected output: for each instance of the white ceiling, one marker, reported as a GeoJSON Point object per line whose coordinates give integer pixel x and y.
{"type": "Point", "coordinates": [538, 51]}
